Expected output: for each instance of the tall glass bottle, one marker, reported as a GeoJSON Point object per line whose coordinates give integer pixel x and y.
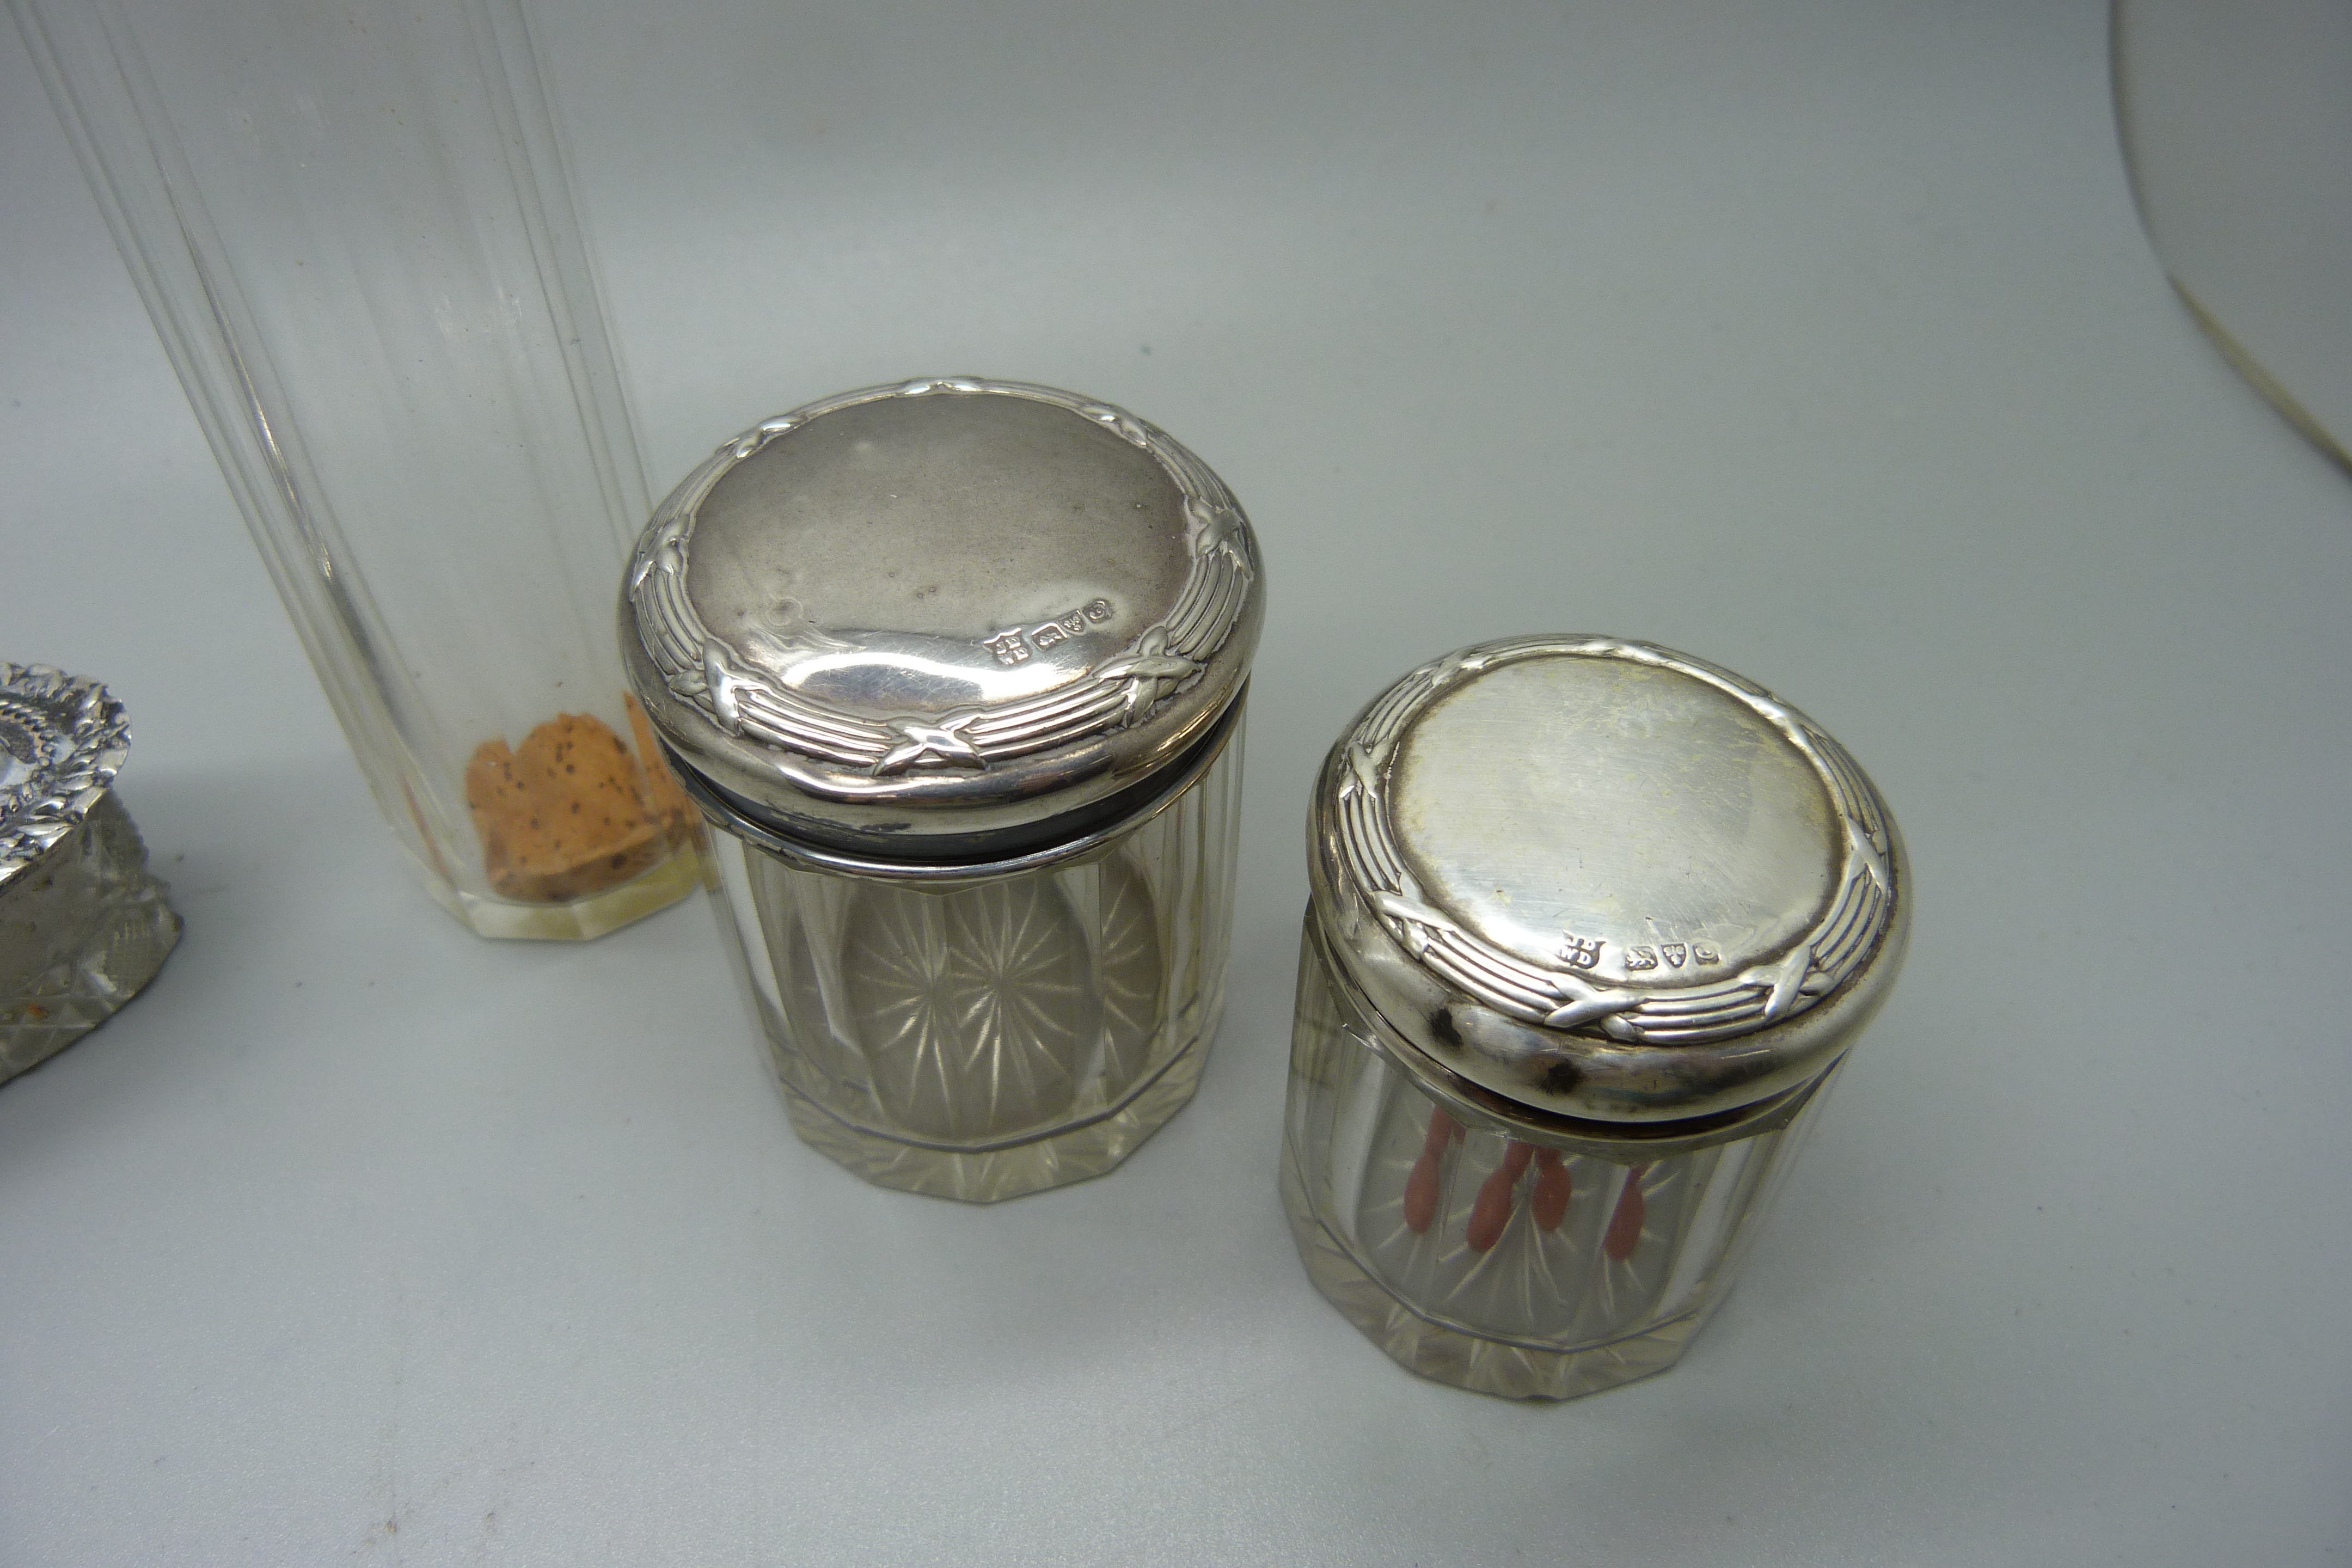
{"type": "Point", "coordinates": [352, 228]}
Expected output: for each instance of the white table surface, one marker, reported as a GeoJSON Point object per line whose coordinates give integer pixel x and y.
{"type": "Point", "coordinates": [1816, 338]}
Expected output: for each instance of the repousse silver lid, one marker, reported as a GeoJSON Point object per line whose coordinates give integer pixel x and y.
{"type": "Point", "coordinates": [949, 616]}
{"type": "Point", "coordinates": [62, 740]}
{"type": "Point", "coordinates": [1606, 881]}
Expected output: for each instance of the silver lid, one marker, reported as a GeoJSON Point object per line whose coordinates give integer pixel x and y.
{"type": "Point", "coordinates": [1605, 880]}
{"type": "Point", "coordinates": [948, 616]}
{"type": "Point", "coordinates": [62, 740]}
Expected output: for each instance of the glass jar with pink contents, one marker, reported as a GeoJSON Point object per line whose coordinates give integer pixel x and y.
{"type": "Point", "coordinates": [1593, 924]}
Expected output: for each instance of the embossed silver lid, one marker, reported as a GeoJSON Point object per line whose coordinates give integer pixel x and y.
{"type": "Point", "coordinates": [1606, 881]}
{"type": "Point", "coordinates": [62, 740]}
{"type": "Point", "coordinates": [949, 618]}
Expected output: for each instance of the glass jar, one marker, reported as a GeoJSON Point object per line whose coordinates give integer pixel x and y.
{"type": "Point", "coordinates": [1593, 926]}
{"type": "Point", "coordinates": [957, 669]}
{"type": "Point", "coordinates": [84, 925]}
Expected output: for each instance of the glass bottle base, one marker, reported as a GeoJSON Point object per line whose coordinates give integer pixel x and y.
{"type": "Point", "coordinates": [577, 919]}
{"type": "Point", "coordinates": [1452, 1355]}
{"type": "Point", "coordinates": [985, 1176]}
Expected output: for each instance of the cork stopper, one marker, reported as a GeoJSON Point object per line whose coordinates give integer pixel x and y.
{"type": "Point", "coordinates": [570, 813]}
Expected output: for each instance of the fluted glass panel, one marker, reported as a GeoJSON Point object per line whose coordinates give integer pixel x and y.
{"type": "Point", "coordinates": [353, 230]}
{"type": "Point", "coordinates": [1498, 1262]}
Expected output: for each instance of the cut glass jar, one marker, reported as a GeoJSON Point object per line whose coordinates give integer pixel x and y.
{"type": "Point", "coordinates": [83, 923]}
{"type": "Point", "coordinates": [1593, 925]}
{"type": "Point", "coordinates": [957, 668]}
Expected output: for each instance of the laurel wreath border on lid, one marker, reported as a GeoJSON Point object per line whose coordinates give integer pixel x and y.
{"type": "Point", "coordinates": [1858, 914]}
{"type": "Point", "coordinates": [1163, 659]}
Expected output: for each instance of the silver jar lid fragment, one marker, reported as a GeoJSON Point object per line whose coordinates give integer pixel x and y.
{"type": "Point", "coordinates": [949, 616]}
{"type": "Point", "coordinates": [62, 740]}
{"type": "Point", "coordinates": [83, 926]}
{"type": "Point", "coordinates": [1605, 880]}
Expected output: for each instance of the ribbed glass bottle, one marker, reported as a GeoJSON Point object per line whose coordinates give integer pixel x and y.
{"type": "Point", "coordinates": [1485, 1255]}
{"type": "Point", "coordinates": [996, 1036]}
{"type": "Point", "coordinates": [353, 228]}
